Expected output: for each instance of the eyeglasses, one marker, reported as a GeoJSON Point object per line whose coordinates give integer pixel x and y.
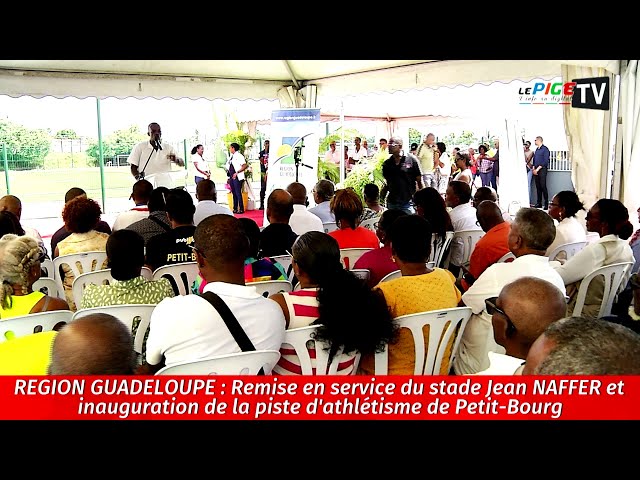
{"type": "Point", "coordinates": [196, 249]}
{"type": "Point", "coordinates": [394, 144]}
{"type": "Point", "coordinates": [492, 308]}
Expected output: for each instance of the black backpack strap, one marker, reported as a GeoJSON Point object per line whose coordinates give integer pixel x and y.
{"type": "Point", "coordinates": [159, 222]}
{"type": "Point", "coordinates": [230, 320]}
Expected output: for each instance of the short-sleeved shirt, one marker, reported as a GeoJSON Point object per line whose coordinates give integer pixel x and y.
{"type": "Point", "coordinates": [63, 233]}
{"type": "Point", "coordinates": [276, 239]}
{"type": "Point", "coordinates": [27, 355]}
{"type": "Point", "coordinates": [171, 247]}
{"type": "Point", "coordinates": [401, 178]}
{"type": "Point", "coordinates": [155, 224]}
{"type": "Point", "coordinates": [158, 160]}
{"type": "Point", "coordinates": [359, 237]}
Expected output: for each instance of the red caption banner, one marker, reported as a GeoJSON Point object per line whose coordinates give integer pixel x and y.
{"type": "Point", "coordinates": [319, 398]}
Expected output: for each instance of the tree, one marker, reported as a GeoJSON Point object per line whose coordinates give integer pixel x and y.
{"type": "Point", "coordinates": [67, 133]}
{"type": "Point", "coordinates": [414, 136]}
{"type": "Point", "coordinates": [26, 148]}
{"type": "Point", "coordinates": [464, 139]}
{"type": "Point", "coordinates": [120, 142]}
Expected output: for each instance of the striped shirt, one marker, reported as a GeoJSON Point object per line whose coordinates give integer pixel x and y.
{"type": "Point", "coordinates": [303, 311]}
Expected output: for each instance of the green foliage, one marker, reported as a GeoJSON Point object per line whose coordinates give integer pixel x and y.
{"type": "Point", "coordinates": [414, 136]}
{"type": "Point", "coordinates": [120, 142]}
{"type": "Point", "coordinates": [26, 148]}
{"type": "Point", "coordinates": [464, 139]}
{"type": "Point", "coordinates": [328, 170]}
{"type": "Point", "coordinates": [364, 173]}
{"type": "Point", "coordinates": [349, 135]}
{"type": "Point", "coordinates": [67, 133]}
{"type": "Point", "coordinates": [244, 140]}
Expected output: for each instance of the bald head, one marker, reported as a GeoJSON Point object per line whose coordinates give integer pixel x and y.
{"type": "Point", "coordinates": [531, 304]}
{"type": "Point", "coordinates": [206, 190]}
{"type": "Point", "coordinates": [11, 203]}
{"type": "Point", "coordinates": [298, 192]}
{"type": "Point", "coordinates": [484, 193]}
{"type": "Point", "coordinates": [279, 206]}
{"type": "Point", "coordinates": [489, 215]}
{"type": "Point", "coordinates": [98, 344]}
{"type": "Point", "coordinates": [73, 193]}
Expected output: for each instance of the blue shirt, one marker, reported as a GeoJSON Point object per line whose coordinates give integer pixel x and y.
{"type": "Point", "coordinates": [541, 157]}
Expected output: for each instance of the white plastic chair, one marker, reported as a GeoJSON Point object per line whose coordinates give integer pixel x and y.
{"type": "Point", "coordinates": [362, 273]}
{"type": "Point", "coordinates": [180, 275]}
{"type": "Point", "coordinates": [469, 239]}
{"type": "Point", "coordinates": [349, 256]}
{"type": "Point", "coordinates": [48, 286]}
{"type": "Point", "coordinates": [48, 270]}
{"type": "Point", "coordinates": [300, 340]}
{"type": "Point", "coordinates": [329, 227]}
{"type": "Point", "coordinates": [34, 323]}
{"type": "Point", "coordinates": [391, 276]}
{"type": "Point", "coordinates": [507, 257]}
{"type": "Point", "coordinates": [79, 263]}
{"type": "Point", "coordinates": [443, 325]}
{"type": "Point", "coordinates": [97, 277]}
{"type": "Point", "coordinates": [241, 363]}
{"type": "Point", "coordinates": [285, 261]}
{"type": "Point", "coordinates": [371, 223]}
{"type": "Point", "coordinates": [613, 276]}
{"type": "Point", "coordinates": [438, 247]}
{"type": "Point", "coordinates": [126, 314]}
{"type": "Point", "coordinates": [569, 249]}
{"type": "Point", "coordinates": [269, 287]}
{"type": "Point", "coordinates": [146, 273]}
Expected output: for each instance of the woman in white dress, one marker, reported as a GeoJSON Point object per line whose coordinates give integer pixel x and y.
{"type": "Point", "coordinates": [563, 208]}
{"type": "Point", "coordinates": [463, 162]}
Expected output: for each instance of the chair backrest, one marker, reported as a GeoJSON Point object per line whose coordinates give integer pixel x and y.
{"type": "Point", "coordinates": [469, 240]}
{"type": "Point", "coordinates": [439, 246]}
{"type": "Point", "coordinates": [97, 277]}
{"type": "Point", "coordinates": [241, 363]}
{"type": "Point", "coordinates": [444, 325]}
{"type": "Point", "coordinates": [371, 223]}
{"type": "Point", "coordinates": [48, 286]}
{"type": "Point", "coordinates": [34, 323]}
{"type": "Point", "coordinates": [313, 355]}
{"type": "Point", "coordinates": [506, 258]}
{"type": "Point", "coordinates": [269, 287]}
{"type": "Point", "coordinates": [329, 227]}
{"type": "Point", "coordinates": [362, 273]}
{"type": "Point", "coordinates": [391, 276]}
{"type": "Point", "coordinates": [349, 256]}
{"type": "Point", "coordinates": [146, 273]}
{"type": "Point", "coordinates": [79, 263]}
{"type": "Point", "coordinates": [48, 270]}
{"type": "Point", "coordinates": [613, 275]}
{"type": "Point", "coordinates": [570, 249]}
{"type": "Point", "coordinates": [180, 275]}
{"type": "Point", "coordinates": [127, 315]}
{"type": "Point", "coordinates": [285, 261]}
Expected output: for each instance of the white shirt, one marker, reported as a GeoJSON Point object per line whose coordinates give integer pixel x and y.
{"type": "Point", "coordinates": [463, 217]}
{"type": "Point", "coordinates": [187, 327]}
{"type": "Point", "coordinates": [333, 157]}
{"type": "Point", "coordinates": [158, 162]}
{"type": "Point", "coordinates": [360, 154]}
{"type": "Point", "coordinates": [569, 230]}
{"type": "Point", "coordinates": [604, 251]}
{"type": "Point", "coordinates": [127, 218]}
{"type": "Point", "coordinates": [33, 233]}
{"type": "Point", "coordinates": [200, 163]}
{"type": "Point", "coordinates": [206, 208]}
{"type": "Point", "coordinates": [467, 173]}
{"type": "Point", "coordinates": [237, 160]}
{"type": "Point", "coordinates": [477, 338]}
{"type": "Point", "coordinates": [446, 170]}
{"type": "Point", "coordinates": [323, 212]}
{"type": "Point", "coordinates": [303, 221]}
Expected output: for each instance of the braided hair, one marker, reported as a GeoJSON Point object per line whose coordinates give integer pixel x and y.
{"type": "Point", "coordinates": [18, 254]}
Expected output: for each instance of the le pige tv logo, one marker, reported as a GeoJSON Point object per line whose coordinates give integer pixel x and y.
{"type": "Point", "coordinates": [591, 93]}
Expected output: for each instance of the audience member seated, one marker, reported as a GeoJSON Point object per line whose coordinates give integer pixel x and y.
{"type": "Point", "coordinates": [157, 222]}
{"type": "Point", "coordinates": [20, 259]}
{"type": "Point", "coordinates": [174, 246]}
{"type": "Point", "coordinates": [98, 344]}
{"type": "Point", "coordinates": [27, 355]}
{"type": "Point", "coordinates": [256, 269]}
{"type": "Point", "coordinates": [563, 208]}
{"type": "Point", "coordinates": [208, 202]}
{"type": "Point", "coordinates": [488, 193]}
{"type": "Point", "coordinates": [463, 217]}
{"type": "Point", "coordinates": [491, 247]}
{"type": "Point", "coordinates": [583, 346]}
{"type": "Point", "coordinates": [347, 209]}
{"type": "Point", "coordinates": [519, 315]}
{"type": "Point", "coordinates": [610, 219]}
{"type": "Point", "coordinates": [278, 237]}
{"type": "Point", "coordinates": [9, 224]}
{"type": "Point", "coordinates": [351, 315]}
{"type": "Point", "coordinates": [10, 203]}
{"type": "Point", "coordinates": [140, 195]}
{"type": "Point", "coordinates": [62, 232]}
{"type": "Point", "coordinates": [531, 233]}
{"type": "Point", "coordinates": [379, 261]}
{"type": "Point", "coordinates": [322, 194]}
{"type": "Point", "coordinates": [80, 215]}
{"type": "Point", "coordinates": [430, 205]}
{"type": "Point", "coordinates": [372, 208]}
{"type": "Point", "coordinates": [221, 248]}
{"type": "Point", "coordinates": [301, 220]}
{"type": "Point", "coordinates": [410, 237]}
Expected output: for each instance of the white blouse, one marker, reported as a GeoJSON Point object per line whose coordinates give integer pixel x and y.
{"type": "Point", "coordinates": [569, 230]}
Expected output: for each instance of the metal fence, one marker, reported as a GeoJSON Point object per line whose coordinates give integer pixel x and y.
{"type": "Point", "coordinates": [559, 161]}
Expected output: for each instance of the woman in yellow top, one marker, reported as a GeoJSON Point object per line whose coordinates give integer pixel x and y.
{"type": "Point", "coordinates": [20, 258]}
{"type": "Point", "coordinates": [420, 289]}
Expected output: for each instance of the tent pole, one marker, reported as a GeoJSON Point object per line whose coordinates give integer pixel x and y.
{"type": "Point", "coordinates": [100, 156]}
{"type": "Point", "coordinates": [615, 137]}
{"type": "Point", "coordinates": [342, 141]}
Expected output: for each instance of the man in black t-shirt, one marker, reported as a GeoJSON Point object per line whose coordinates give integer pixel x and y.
{"type": "Point", "coordinates": [402, 173]}
{"type": "Point", "coordinates": [174, 246]}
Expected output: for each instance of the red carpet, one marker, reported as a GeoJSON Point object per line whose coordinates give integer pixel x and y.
{"type": "Point", "coordinates": [255, 215]}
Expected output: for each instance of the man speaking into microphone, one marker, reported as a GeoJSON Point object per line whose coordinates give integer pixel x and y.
{"type": "Point", "coordinates": [152, 160]}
